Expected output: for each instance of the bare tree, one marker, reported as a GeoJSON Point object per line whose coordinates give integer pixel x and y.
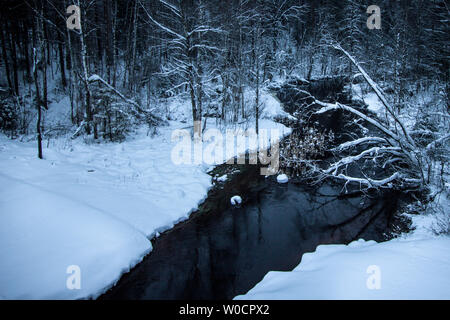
{"type": "Point", "coordinates": [186, 38]}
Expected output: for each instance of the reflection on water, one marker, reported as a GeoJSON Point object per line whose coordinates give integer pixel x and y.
{"type": "Point", "coordinates": [223, 251]}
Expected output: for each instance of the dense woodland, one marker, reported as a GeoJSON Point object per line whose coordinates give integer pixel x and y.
{"type": "Point", "coordinates": [129, 55]}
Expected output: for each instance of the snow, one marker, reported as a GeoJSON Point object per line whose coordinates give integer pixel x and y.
{"type": "Point", "coordinates": [94, 77]}
{"type": "Point", "coordinates": [415, 266]}
{"type": "Point", "coordinates": [371, 99]}
{"type": "Point", "coordinates": [282, 178]}
{"type": "Point", "coordinates": [373, 103]}
{"type": "Point", "coordinates": [222, 178]}
{"type": "Point", "coordinates": [236, 200]}
{"type": "Point", "coordinates": [92, 205]}
{"type": "Point", "coordinates": [88, 205]}
{"type": "Point", "coordinates": [272, 107]}
{"type": "Point", "coordinates": [44, 231]}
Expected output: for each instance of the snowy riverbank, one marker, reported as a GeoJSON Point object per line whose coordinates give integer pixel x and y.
{"type": "Point", "coordinates": [414, 266]}
{"type": "Point", "coordinates": [89, 205]}
{"type": "Point", "coordinates": [407, 269]}
{"type": "Point", "coordinates": [410, 268]}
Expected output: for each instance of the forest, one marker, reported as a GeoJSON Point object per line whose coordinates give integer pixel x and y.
{"type": "Point", "coordinates": [91, 92]}
{"type": "Point", "coordinates": [210, 52]}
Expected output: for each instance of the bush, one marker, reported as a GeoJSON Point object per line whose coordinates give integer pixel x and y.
{"type": "Point", "coordinates": [9, 115]}
{"type": "Point", "coordinates": [302, 146]}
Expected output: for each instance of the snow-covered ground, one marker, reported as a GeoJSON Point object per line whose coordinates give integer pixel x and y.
{"type": "Point", "coordinates": [397, 269]}
{"type": "Point", "coordinates": [373, 102]}
{"type": "Point", "coordinates": [413, 266]}
{"type": "Point", "coordinates": [89, 205]}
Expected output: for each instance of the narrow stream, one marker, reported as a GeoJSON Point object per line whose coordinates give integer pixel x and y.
{"type": "Point", "coordinates": [222, 251]}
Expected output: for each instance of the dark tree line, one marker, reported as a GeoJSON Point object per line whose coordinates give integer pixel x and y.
{"type": "Point", "coordinates": [211, 50]}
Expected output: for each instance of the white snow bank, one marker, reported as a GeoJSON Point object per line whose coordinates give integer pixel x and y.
{"type": "Point", "coordinates": [89, 205]}
{"type": "Point", "coordinates": [374, 104]}
{"type": "Point", "coordinates": [86, 205]}
{"type": "Point", "coordinates": [222, 178]}
{"type": "Point", "coordinates": [408, 269]}
{"type": "Point", "coordinates": [43, 232]}
{"type": "Point", "coordinates": [179, 108]}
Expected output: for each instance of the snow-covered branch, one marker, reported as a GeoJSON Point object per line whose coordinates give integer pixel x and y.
{"type": "Point", "coordinates": [163, 27]}
{"type": "Point", "coordinates": [357, 142]}
{"type": "Point", "coordinates": [373, 183]}
{"type": "Point", "coordinates": [433, 144]}
{"type": "Point", "coordinates": [398, 148]}
{"type": "Point", "coordinates": [150, 117]}
{"type": "Point", "coordinates": [370, 152]}
{"type": "Point", "coordinates": [336, 106]}
{"type": "Point", "coordinates": [379, 92]}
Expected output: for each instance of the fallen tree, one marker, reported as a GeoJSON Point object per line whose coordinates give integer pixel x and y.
{"type": "Point", "coordinates": [391, 147]}
{"type": "Point", "coordinates": [150, 117]}
{"type": "Point", "coordinates": [127, 108]}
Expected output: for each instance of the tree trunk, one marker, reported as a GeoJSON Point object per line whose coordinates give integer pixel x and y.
{"type": "Point", "coordinates": [61, 61]}
{"type": "Point", "coordinates": [25, 47]}
{"type": "Point", "coordinates": [44, 40]}
{"type": "Point", "coordinates": [257, 97]}
{"type": "Point", "coordinates": [38, 103]}
{"type": "Point", "coordinates": [14, 61]}
{"type": "Point", "coordinates": [84, 65]}
{"type": "Point", "coordinates": [5, 58]}
{"type": "Point", "coordinates": [132, 75]}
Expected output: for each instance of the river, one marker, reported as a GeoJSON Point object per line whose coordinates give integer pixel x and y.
{"type": "Point", "coordinates": [223, 251]}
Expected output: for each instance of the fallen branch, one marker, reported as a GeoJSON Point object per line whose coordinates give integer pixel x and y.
{"type": "Point", "coordinates": [77, 132]}
{"type": "Point", "coordinates": [336, 106]}
{"type": "Point", "coordinates": [154, 120]}
{"type": "Point", "coordinates": [371, 182]}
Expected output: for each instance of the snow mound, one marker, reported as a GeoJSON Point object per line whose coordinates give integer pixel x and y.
{"type": "Point", "coordinates": [273, 107]}
{"type": "Point", "coordinates": [236, 200]}
{"type": "Point", "coordinates": [282, 178]}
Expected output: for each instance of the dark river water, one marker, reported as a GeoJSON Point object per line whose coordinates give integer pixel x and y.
{"type": "Point", "coordinates": [221, 251]}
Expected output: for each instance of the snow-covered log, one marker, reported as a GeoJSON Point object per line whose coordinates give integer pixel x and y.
{"type": "Point", "coordinates": [371, 182]}
{"type": "Point", "coordinates": [336, 106]}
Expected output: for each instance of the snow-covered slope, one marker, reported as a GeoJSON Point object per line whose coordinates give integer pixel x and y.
{"type": "Point", "coordinates": [89, 205]}
{"type": "Point", "coordinates": [86, 205]}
